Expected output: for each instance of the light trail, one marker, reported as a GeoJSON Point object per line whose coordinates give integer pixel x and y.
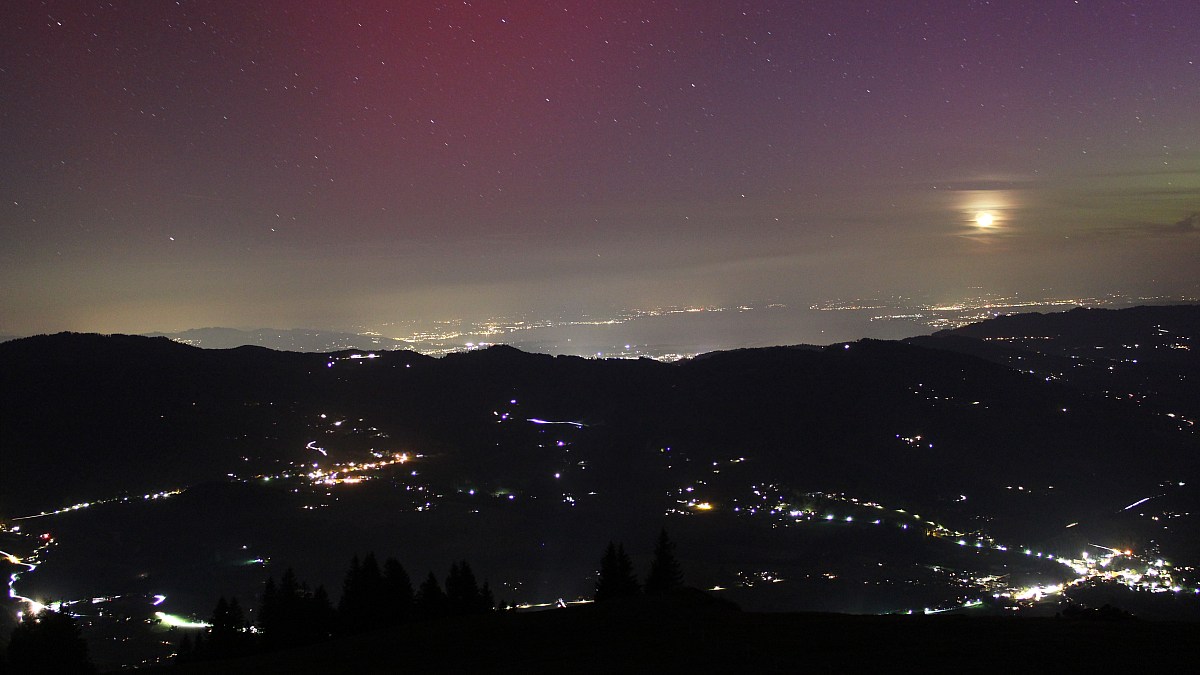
{"type": "Point", "coordinates": [33, 606]}
{"type": "Point", "coordinates": [1140, 501]}
{"type": "Point", "coordinates": [17, 561]}
{"type": "Point", "coordinates": [534, 420]}
{"type": "Point", "coordinates": [83, 505]}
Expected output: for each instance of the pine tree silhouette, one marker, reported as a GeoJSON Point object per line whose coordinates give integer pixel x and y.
{"type": "Point", "coordinates": [398, 592]}
{"type": "Point", "coordinates": [431, 600]}
{"type": "Point", "coordinates": [292, 614]}
{"type": "Point", "coordinates": [665, 573]}
{"type": "Point", "coordinates": [616, 579]}
{"type": "Point", "coordinates": [268, 611]}
{"type": "Point", "coordinates": [227, 636]}
{"type": "Point", "coordinates": [487, 601]}
{"type": "Point", "coordinates": [323, 615]}
{"type": "Point", "coordinates": [363, 605]}
{"type": "Point", "coordinates": [49, 642]}
{"type": "Point", "coordinates": [462, 590]}
{"type": "Point", "coordinates": [183, 651]}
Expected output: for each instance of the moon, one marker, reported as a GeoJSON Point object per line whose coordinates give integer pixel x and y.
{"type": "Point", "coordinates": [984, 219]}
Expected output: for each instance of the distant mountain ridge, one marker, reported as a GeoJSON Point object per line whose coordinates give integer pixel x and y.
{"type": "Point", "coordinates": [1150, 352]}
{"type": "Point", "coordinates": [1090, 325]}
{"type": "Point", "coordinates": [294, 340]}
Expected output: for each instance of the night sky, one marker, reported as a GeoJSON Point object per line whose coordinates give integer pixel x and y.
{"type": "Point", "coordinates": [169, 165]}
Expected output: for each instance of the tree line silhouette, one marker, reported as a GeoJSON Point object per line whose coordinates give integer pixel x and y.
{"type": "Point", "coordinates": [47, 642]}
{"type": "Point", "coordinates": [374, 596]}
{"type": "Point", "coordinates": [617, 579]}
{"type": "Point", "coordinates": [291, 613]}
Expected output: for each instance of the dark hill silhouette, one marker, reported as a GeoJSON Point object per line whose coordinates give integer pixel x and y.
{"type": "Point", "coordinates": [688, 637]}
{"type": "Point", "coordinates": [298, 340]}
{"type": "Point", "coordinates": [1083, 326]}
{"type": "Point", "coordinates": [124, 413]}
{"type": "Point", "coordinates": [111, 414]}
{"type": "Point", "coordinates": [1153, 351]}
{"type": "Point", "coordinates": [948, 427]}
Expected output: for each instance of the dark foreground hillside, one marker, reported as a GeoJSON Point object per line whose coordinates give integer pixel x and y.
{"type": "Point", "coordinates": [642, 637]}
{"type": "Point", "coordinates": [140, 476]}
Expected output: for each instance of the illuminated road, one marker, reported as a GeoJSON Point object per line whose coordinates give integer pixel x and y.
{"type": "Point", "coordinates": [31, 606]}
{"type": "Point", "coordinates": [1124, 567]}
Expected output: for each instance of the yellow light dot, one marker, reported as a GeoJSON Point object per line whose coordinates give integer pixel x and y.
{"type": "Point", "coordinates": [984, 219]}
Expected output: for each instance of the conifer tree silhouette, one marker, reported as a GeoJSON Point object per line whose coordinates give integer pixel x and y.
{"type": "Point", "coordinates": [665, 573]}
{"type": "Point", "coordinates": [49, 642]}
{"type": "Point", "coordinates": [616, 579]}
{"type": "Point", "coordinates": [364, 603]}
{"type": "Point", "coordinates": [462, 590]}
{"type": "Point", "coordinates": [292, 614]}
{"type": "Point", "coordinates": [487, 601]}
{"type": "Point", "coordinates": [431, 600]}
{"type": "Point", "coordinates": [227, 636]}
{"type": "Point", "coordinates": [398, 592]}
{"type": "Point", "coordinates": [183, 651]}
